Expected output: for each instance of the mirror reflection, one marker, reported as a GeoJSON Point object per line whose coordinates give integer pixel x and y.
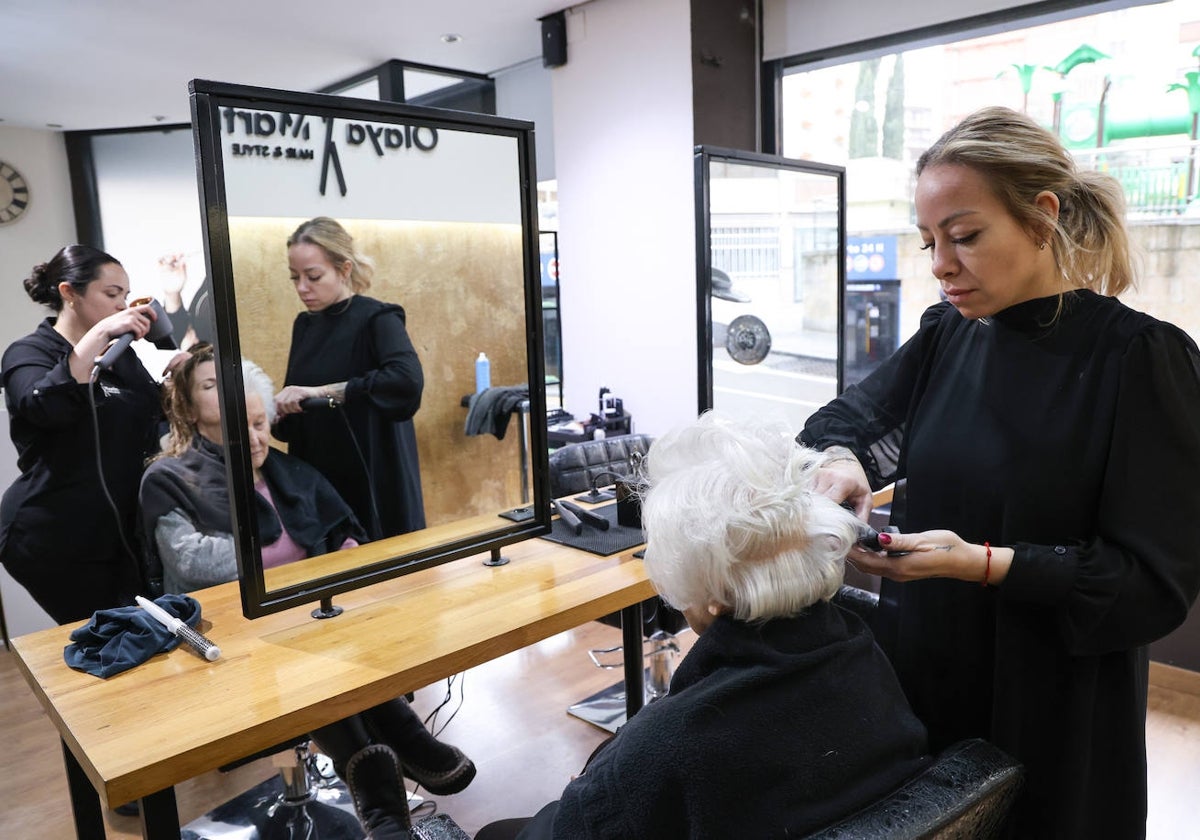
{"type": "Point", "coordinates": [775, 281]}
{"type": "Point", "coordinates": [185, 501]}
{"type": "Point", "coordinates": [353, 383]}
{"type": "Point", "coordinates": [393, 444]}
{"type": "Point", "coordinates": [372, 262]}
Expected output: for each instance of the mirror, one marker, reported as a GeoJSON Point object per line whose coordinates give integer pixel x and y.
{"type": "Point", "coordinates": [443, 203]}
{"type": "Point", "coordinates": [771, 284]}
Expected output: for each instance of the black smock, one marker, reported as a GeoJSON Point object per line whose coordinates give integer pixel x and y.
{"type": "Point", "coordinates": [1076, 441]}
{"type": "Point", "coordinates": [362, 342]}
{"type": "Point", "coordinates": [58, 536]}
{"type": "Point", "coordinates": [770, 730]}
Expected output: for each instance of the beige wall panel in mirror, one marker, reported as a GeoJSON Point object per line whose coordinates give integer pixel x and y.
{"type": "Point", "coordinates": [462, 289]}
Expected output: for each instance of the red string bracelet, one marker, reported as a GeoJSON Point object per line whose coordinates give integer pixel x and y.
{"type": "Point", "coordinates": [987, 569]}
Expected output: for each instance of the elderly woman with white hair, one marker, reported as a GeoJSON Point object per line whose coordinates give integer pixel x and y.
{"type": "Point", "coordinates": [784, 716]}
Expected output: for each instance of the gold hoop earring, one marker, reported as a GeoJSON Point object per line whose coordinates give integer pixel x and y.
{"type": "Point", "coordinates": [1042, 246]}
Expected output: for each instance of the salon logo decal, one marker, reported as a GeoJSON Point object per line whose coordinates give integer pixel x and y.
{"type": "Point", "coordinates": [280, 136]}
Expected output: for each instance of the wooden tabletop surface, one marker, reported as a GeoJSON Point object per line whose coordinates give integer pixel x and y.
{"type": "Point", "coordinates": [283, 675]}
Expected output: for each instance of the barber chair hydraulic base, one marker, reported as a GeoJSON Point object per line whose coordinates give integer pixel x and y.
{"type": "Point", "coordinates": [292, 805]}
{"type": "Point", "coordinates": [265, 812]}
{"type": "Point", "coordinates": [606, 708]}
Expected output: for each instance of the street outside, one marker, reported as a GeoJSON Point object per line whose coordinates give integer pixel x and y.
{"type": "Point", "coordinates": [782, 387]}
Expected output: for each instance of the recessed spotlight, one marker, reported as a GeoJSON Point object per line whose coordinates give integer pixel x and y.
{"type": "Point", "coordinates": [53, 125]}
{"type": "Point", "coordinates": [451, 38]}
{"type": "Point", "coordinates": [158, 118]}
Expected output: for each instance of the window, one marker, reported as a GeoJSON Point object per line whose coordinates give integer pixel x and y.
{"type": "Point", "coordinates": [1115, 86]}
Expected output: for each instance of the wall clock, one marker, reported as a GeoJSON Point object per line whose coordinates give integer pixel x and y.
{"type": "Point", "coordinates": [14, 194]}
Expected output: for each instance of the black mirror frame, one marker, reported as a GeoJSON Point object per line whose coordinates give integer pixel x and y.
{"type": "Point", "coordinates": [207, 100]}
{"type": "Point", "coordinates": [703, 157]}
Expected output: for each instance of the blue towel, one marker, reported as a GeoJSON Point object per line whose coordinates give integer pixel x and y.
{"type": "Point", "coordinates": [116, 640]}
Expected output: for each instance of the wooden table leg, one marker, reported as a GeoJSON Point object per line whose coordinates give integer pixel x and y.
{"type": "Point", "coordinates": [85, 802]}
{"type": "Point", "coordinates": [631, 641]}
{"type": "Point", "coordinates": [160, 816]}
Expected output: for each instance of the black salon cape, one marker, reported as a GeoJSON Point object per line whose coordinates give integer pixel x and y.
{"type": "Point", "coordinates": [195, 484]}
{"type": "Point", "coordinates": [1079, 445]}
{"type": "Point", "coordinates": [58, 535]}
{"type": "Point", "coordinates": [768, 731]}
{"type": "Point", "coordinates": [364, 343]}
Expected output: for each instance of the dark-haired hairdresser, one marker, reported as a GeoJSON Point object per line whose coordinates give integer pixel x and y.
{"type": "Point", "coordinates": [59, 537]}
{"type": "Point", "coordinates": [1050, 438]}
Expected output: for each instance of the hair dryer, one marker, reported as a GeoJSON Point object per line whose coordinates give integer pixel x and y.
{"type": "Point", "coordinates": [160, 328]}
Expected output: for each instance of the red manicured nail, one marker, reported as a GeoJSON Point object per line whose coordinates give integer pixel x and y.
{"type": "Point", "coordinates": [885, 539]}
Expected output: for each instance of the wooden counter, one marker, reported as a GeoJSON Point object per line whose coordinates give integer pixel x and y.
{"type": "Point", "coordinates": [141, 732]}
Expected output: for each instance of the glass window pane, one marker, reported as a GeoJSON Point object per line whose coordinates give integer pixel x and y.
{"type": "Point", "coordinates": [774, 241]}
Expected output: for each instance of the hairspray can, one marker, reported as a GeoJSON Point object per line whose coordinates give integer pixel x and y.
{"type": "Point", "coordinates": [483, 373]}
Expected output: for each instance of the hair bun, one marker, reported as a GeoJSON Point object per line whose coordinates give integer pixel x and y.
{"type": "Point", "coordinates": [39, 287]}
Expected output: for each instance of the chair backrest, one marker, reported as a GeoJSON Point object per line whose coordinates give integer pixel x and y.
{"type": "Point", "coordinates": [573, 466]}
{"type": "Point", "coordinates": [862, 602]}
{"type": "Point", "coordinates": [965, 794]}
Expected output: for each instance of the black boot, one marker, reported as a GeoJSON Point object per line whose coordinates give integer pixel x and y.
{"type": "Point", "coordinates": [375, 782]}
{"type": "Point", "coordinates": [440, 768]}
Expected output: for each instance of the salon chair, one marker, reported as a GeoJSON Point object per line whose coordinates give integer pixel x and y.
{"type": "Point", "coordinates": [584, 468]}
{"type": "Point", "coordinates": [965, 794]}
{"type": "Point", "coordinates": [304, 801]}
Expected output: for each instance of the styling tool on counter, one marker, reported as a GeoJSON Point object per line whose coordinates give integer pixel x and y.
{"type": "Point", "coordinates": [586, 516]}
{"type": "Point", "coordinates": [569, 518]}
{"type": "Point", "coordinates": [199, 643]}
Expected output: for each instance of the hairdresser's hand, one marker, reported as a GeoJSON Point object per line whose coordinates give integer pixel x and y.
{"type": "Point", "coordinates": [135, 319]}
{"type": "Point", "coordinates": [176, 360]}
{"type": "Point", "coordinates": [288, 400]}
{"type": "Point", "coordinates": [843, 479]}
{"type": "Point", "coordinates": [932, 554]}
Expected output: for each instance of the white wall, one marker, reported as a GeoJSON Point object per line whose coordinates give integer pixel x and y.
{"type": "Point", "coordinates": [623, 154]}
{"type": "Point", "coordinates": [525, 92]}
{"type": "Point", "coordinates": [796, 27]}
{"type": "Point", "coordinates": [47, 225]}
{"type": "Point", "coordinates": [41, 157]}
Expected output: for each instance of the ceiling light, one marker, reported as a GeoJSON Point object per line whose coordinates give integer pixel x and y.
{"type": "Point", "coordinates": [451, 38]}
